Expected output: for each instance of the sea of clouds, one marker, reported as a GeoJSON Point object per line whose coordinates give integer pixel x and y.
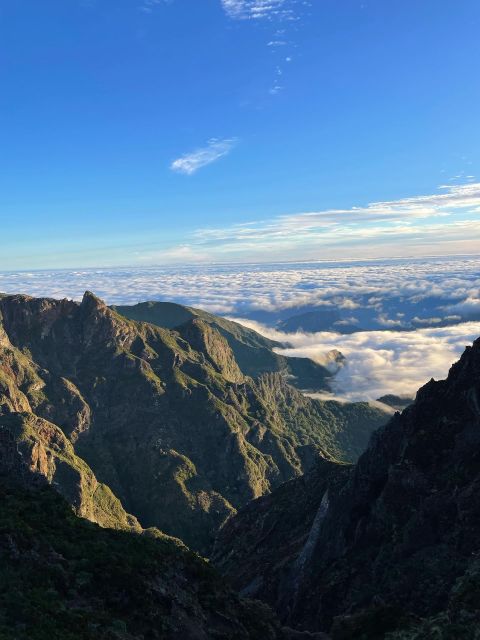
{"type": "Point", "coordinates": [391, 360]}
{"type": "Point", "coordinates": [282, 289]}
{"type": "Point", "coordinates": [380, 362]}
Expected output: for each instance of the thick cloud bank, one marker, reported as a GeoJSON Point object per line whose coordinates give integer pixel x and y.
{"type": "Point", "coordinates": [381, 362]}
{"type": "Point", "coordinates": [399, 322]}
{"type": "Point", "coordinates": [281, 290]}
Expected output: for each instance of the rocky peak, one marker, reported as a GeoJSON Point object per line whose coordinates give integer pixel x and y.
{"type": "Point", "coordinates": [93, 304]}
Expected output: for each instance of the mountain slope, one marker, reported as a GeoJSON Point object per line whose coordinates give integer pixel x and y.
{"type": "Point", "coordinates": [257, 548]}
{"type": "Point", "coordinates": [253, 352]}
{"type": "Point", "coordinates": [165, 418]}
{"type": "Point", "coordinates": [394, 552]}
{"type": "Point", "coordinates": [64, 578]}
{"type": "Point", "coordinates": [44, 445]}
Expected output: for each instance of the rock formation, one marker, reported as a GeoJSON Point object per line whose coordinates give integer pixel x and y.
{"type": "Point", "coordinates": [392, 551]}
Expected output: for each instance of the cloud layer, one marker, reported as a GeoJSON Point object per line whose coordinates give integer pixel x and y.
{"type": "Point", "coordinates": [281, 290]}
{"type": "Point", "coordinates": [379, 362]}
{"type": "Point", "coordinates": [382, 362]}
{"type": "Point", "coordinates": [215, 149]}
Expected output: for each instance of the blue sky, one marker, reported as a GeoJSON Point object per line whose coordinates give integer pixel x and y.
{"type": "Point", "coordinates": [137, 132]}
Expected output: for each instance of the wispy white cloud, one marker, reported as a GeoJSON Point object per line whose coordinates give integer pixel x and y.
{"type": "Point", "coordinates": [277, 15]}
{"type": "Point", "coordinates": [441, 205]}
{"type": "Point", "coordinates": [445, 222]}
{"type": "Point", "coordinates": [215, 149]}
{"type": "Point", "coordinates": [257, 9]}
{"type": "Point", "coordinates": [149, 5]}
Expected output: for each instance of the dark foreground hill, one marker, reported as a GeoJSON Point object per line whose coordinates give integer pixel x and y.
{"type": "Point", "coordinates": [392, 549]}
{"type": "Point", "coordinates": [65, 578]}
{"type": "Point", "coordinates": [125, 417]}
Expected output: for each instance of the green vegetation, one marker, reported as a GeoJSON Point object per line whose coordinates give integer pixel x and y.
{"type": "Point", "coordinates": [253, 352]}
{"type": "Point", "coordinates": [63, 578]}
{"type": "Point", "coordinates": [165, 418]}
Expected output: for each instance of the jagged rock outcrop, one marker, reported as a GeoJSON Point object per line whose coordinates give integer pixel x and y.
{"type": "Point", "coordinates": [165, 418]}
{"type": "Point", "coordinates": [395, 550]}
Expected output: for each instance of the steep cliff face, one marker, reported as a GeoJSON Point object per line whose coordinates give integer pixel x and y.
{"type": "Point", "coordinates": [395, 550]}
{"type": "Point", "coordinates": [265, 549]}
{"type": "Point", "coordinates": [165, 418]}
{"type": "Point", "coordinates": [45, 448]}
{"type": "Point", "coordinates": [47, 452]}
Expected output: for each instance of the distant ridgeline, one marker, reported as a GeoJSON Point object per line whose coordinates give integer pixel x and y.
{"type": "Point", "coordinates": [253, 352]}
{"type": "Point", "coordinates": [144, 425]}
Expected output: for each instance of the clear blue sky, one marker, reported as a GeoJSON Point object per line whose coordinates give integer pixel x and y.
{"type": "Point", "coordinates": [150, 131]}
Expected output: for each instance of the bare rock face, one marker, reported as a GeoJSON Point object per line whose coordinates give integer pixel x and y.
{"type": "Point", "coordinates": [266, 547]}
{"type": "Point", "coordinates": [393, 551]}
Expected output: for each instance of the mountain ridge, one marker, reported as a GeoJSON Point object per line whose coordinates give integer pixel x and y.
{"type": "Point", "coordinates": [254, 353]}
{"type": "Point", "coordinates": [164, 418]}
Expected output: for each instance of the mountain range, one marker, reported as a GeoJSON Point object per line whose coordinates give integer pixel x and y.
{"type": "Point", "coordinates": [139, 424]}
{"type": "Point", "coordinates": [133, 437]}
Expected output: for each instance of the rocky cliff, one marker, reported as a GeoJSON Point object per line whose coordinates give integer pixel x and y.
{"type": "Point", "coordinates": [393, 550]}
{"type": "Point", "coordinates": [268, 544]}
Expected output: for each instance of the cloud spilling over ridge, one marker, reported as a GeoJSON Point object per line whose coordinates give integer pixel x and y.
{"type": "Point", "coordinates": [381, 362]}
{"type": "Point", "coordinates": [215, 149]}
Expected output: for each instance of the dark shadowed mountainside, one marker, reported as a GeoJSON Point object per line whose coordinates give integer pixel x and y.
{"type": "Point", "coordinates": [64, 578]}
{"type": "Point", "coordinates": [393, 551]}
